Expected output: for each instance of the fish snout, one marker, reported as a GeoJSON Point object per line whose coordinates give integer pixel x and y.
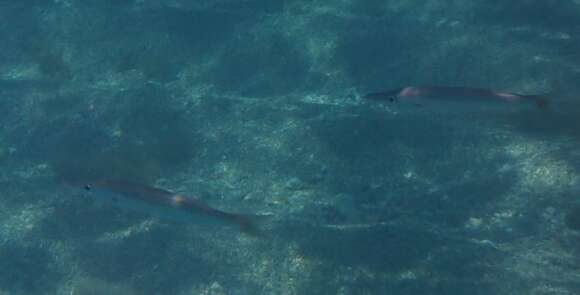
{"type": "Point", "coordinates": [391, 96]}
{"type": "Point", "coordinates": [381, 96]}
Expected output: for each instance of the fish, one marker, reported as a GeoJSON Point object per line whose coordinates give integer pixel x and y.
{"type": "Point", "coordinates": [163, 203]}
{"type": "Point", "coordinates": [430, 95]}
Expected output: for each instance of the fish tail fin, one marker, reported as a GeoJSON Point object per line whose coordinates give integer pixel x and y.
{"type": "Point", "coordinates": [541, 101]}
{"type": "Point", "coordinates": [252, 225]}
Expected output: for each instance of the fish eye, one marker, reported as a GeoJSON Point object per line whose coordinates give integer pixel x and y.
{"type": "Point", "coordinates": [391, 99]}
{"type": "Point", "coordinates": [87, 187]}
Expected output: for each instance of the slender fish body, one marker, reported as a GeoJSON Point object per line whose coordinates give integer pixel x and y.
{"type": "Point", "coordinates": [162, 203]}
{"type": "Point", "coordinates": [437, 95]}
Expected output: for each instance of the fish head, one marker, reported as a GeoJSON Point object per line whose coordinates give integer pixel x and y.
{"type": "Point", "coordinates": [391, 96]}
{"type": "Point", "coordinates": [84, 187]}
{"type": "Point", "coordinates": [78, 184]}
{"type": "Point", "coordinates": [90, 190]}
{"type": "Point", "coordinates": [87, 187]}
{"type": "Point", "coordinates": [98, 191]}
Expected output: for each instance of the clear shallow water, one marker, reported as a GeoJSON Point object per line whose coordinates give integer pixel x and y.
{"type": "Point", "coordinates": [255, 107]}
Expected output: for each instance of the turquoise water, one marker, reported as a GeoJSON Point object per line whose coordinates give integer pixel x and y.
{"type": "Point", "coordinates": [255, 107]}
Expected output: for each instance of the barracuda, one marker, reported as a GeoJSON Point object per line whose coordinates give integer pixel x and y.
{"type": "Point", "coordinates": [458, 96]}
{"type": "Point", "coordinates": [162, 203]}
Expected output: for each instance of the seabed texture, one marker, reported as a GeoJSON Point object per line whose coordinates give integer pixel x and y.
{"type": "Point", "coordinates": [254, 106]}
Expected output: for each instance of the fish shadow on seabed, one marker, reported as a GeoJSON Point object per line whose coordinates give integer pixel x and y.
{"type": "Point", "coordinates": [389, 248]}
{"type": "Point", "coordinates": [560, 119]}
